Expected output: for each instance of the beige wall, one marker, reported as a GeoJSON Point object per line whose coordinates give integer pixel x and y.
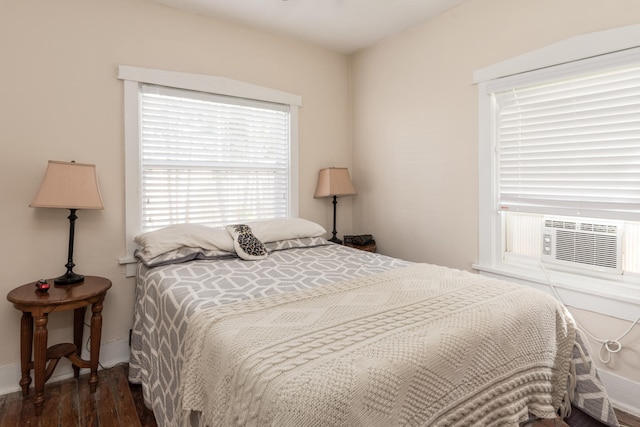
{"type": "Point", "coordinates": [60, 100]}
{"type": "Point", "coordinates": [416, 130]}
{"type": "Point", "coordinates": [414, 114]}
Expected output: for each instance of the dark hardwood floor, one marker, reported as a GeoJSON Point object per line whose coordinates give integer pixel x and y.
{"type": "Point", "coordinates": [116, 402]}
{"type": "Point", "coordinates": [627, 420]}
{"type": "Point", "coordinates": [69, 403]}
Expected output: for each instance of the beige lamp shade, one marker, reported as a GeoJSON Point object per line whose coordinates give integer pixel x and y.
{"type": "Point", "coordinates": [334, 182]}
{"type": "Point", "coordinates": [69, 185]}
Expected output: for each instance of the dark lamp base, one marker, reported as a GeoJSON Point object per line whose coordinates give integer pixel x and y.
{"type": "Point", "coordinates": [334, 239]}
{"type": "Point", "coordinates": [68, 279]}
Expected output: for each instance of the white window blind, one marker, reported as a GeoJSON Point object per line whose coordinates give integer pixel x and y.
{"type": "Point", "coordinates": [212, 159]}
{"type": "Point", "coordinates": [571, 146]}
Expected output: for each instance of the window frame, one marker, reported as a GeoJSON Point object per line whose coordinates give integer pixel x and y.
{"type": "Point", "coordinates": [618, 297]}
{"type": "Point", "coordinates": [133, 78]}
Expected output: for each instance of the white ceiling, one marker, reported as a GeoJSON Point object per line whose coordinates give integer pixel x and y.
{"type": "Point", "coordinates": [340, 25]}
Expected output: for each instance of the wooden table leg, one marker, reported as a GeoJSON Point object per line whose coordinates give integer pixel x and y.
{"type": "Point", "coordinates": [78, 329]}
{"type": "Point", "coordinates": [96, 331]}
{"type": "Point", "coordinates": [26, 347]}
{"type": "Point", "coordinates": [40, 360]}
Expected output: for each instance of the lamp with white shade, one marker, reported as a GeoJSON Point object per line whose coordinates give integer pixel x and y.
{"type": "Point", "coordinates": [73, 186]}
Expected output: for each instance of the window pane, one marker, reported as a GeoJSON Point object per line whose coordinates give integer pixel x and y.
{"type": "Point", "coordinates": [572, 146]}
{"type": "Point", "coordinates": [523, 233]}
{"type": "Point", "coordinates": [211, 159]}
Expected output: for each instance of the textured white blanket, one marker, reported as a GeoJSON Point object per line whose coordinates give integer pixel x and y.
{"type": "Point", "coordinates": [423, 345]}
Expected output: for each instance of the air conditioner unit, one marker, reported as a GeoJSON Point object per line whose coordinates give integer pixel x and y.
{"type": "Point", "coordinates": [582, 243]}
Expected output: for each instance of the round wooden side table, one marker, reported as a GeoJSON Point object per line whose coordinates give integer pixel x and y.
{"type": "Point", "coordinates": [35, 307]}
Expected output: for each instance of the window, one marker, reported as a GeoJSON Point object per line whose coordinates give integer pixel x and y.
{"type": "Point", "coordinates": [205, 149]}
{"type": "Point", "coordinates": [569, 146]}
{"type": "Point", "coordinates": [211, 159]}
{"type": "Point", "coordinates": [560, 167]}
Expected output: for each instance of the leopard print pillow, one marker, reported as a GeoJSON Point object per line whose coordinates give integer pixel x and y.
{"type": "Point", "coordinates": [247, 245]}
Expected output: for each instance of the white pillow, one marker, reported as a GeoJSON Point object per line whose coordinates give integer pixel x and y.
{"type": "Point", "coordinates": [247, 245]}
{"type": "Point", "coordinates": [273, 230]}
{"type": "Point", "coordinates": [166, 239]}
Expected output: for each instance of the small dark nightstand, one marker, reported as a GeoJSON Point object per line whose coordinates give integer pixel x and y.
{"type": "Point", "coordinates": [35, 307]}
{"type": "Point", "coordinates": [370, 247]}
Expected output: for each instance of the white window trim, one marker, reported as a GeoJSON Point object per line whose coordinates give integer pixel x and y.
{"type": "Point", "coordinates": [133, 77]}
{"type": "Point", "coordinates": [617, 298]}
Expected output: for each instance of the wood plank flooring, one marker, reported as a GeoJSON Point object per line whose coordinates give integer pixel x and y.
{"type": "Point", "coordinates": [69, 403]}
{"type": "Point", "coordinates": [627, 420]}
{"type": "Point", "coordinates": [115, 403]}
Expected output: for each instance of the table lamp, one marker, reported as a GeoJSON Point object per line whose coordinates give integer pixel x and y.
{"type": "Point", "coordinates": [334, 182]}
{"type": "Point", "coordinates": [73, 186]}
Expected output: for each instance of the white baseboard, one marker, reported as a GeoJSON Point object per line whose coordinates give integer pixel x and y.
{"type": "Point", "coordinates": [622, 392]}
{"type": "Point", "coordinates": [111, 354]}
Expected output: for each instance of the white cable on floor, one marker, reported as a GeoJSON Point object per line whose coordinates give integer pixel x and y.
{"type": "Point", "coordinates": [608, 346]}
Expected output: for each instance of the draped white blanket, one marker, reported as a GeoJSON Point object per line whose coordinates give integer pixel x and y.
{"type": "Point", "coordinates": [422, 345]}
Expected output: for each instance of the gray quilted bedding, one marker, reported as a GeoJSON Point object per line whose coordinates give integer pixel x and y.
{"type": "Point", "coordinates": [168, 295]}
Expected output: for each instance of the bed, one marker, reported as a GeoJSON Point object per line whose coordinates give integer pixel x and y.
{"type": "Point", "coordinates": [294, 330]}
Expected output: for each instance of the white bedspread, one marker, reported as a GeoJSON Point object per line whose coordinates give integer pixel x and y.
{"type": "Point", "coordinates": [168, 297]}
{"type": "Point", "coordinates": [421, 345]}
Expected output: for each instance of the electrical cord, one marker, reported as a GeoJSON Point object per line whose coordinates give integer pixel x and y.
{"type": "Point", "coordinates": [608, 347]}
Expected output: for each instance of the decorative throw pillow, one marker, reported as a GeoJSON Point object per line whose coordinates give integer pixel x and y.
{"type": "Point", "coordinates": [247, 245]}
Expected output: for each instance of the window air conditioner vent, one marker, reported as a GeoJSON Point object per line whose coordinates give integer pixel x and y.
{"type": "Point", "coordinates": [583, 244]}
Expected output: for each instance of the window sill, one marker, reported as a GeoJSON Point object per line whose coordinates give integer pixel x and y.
{"type": "Point", "coordinates": [617, 298]}
{"type": "Point", "coordinates": [130, 264]}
